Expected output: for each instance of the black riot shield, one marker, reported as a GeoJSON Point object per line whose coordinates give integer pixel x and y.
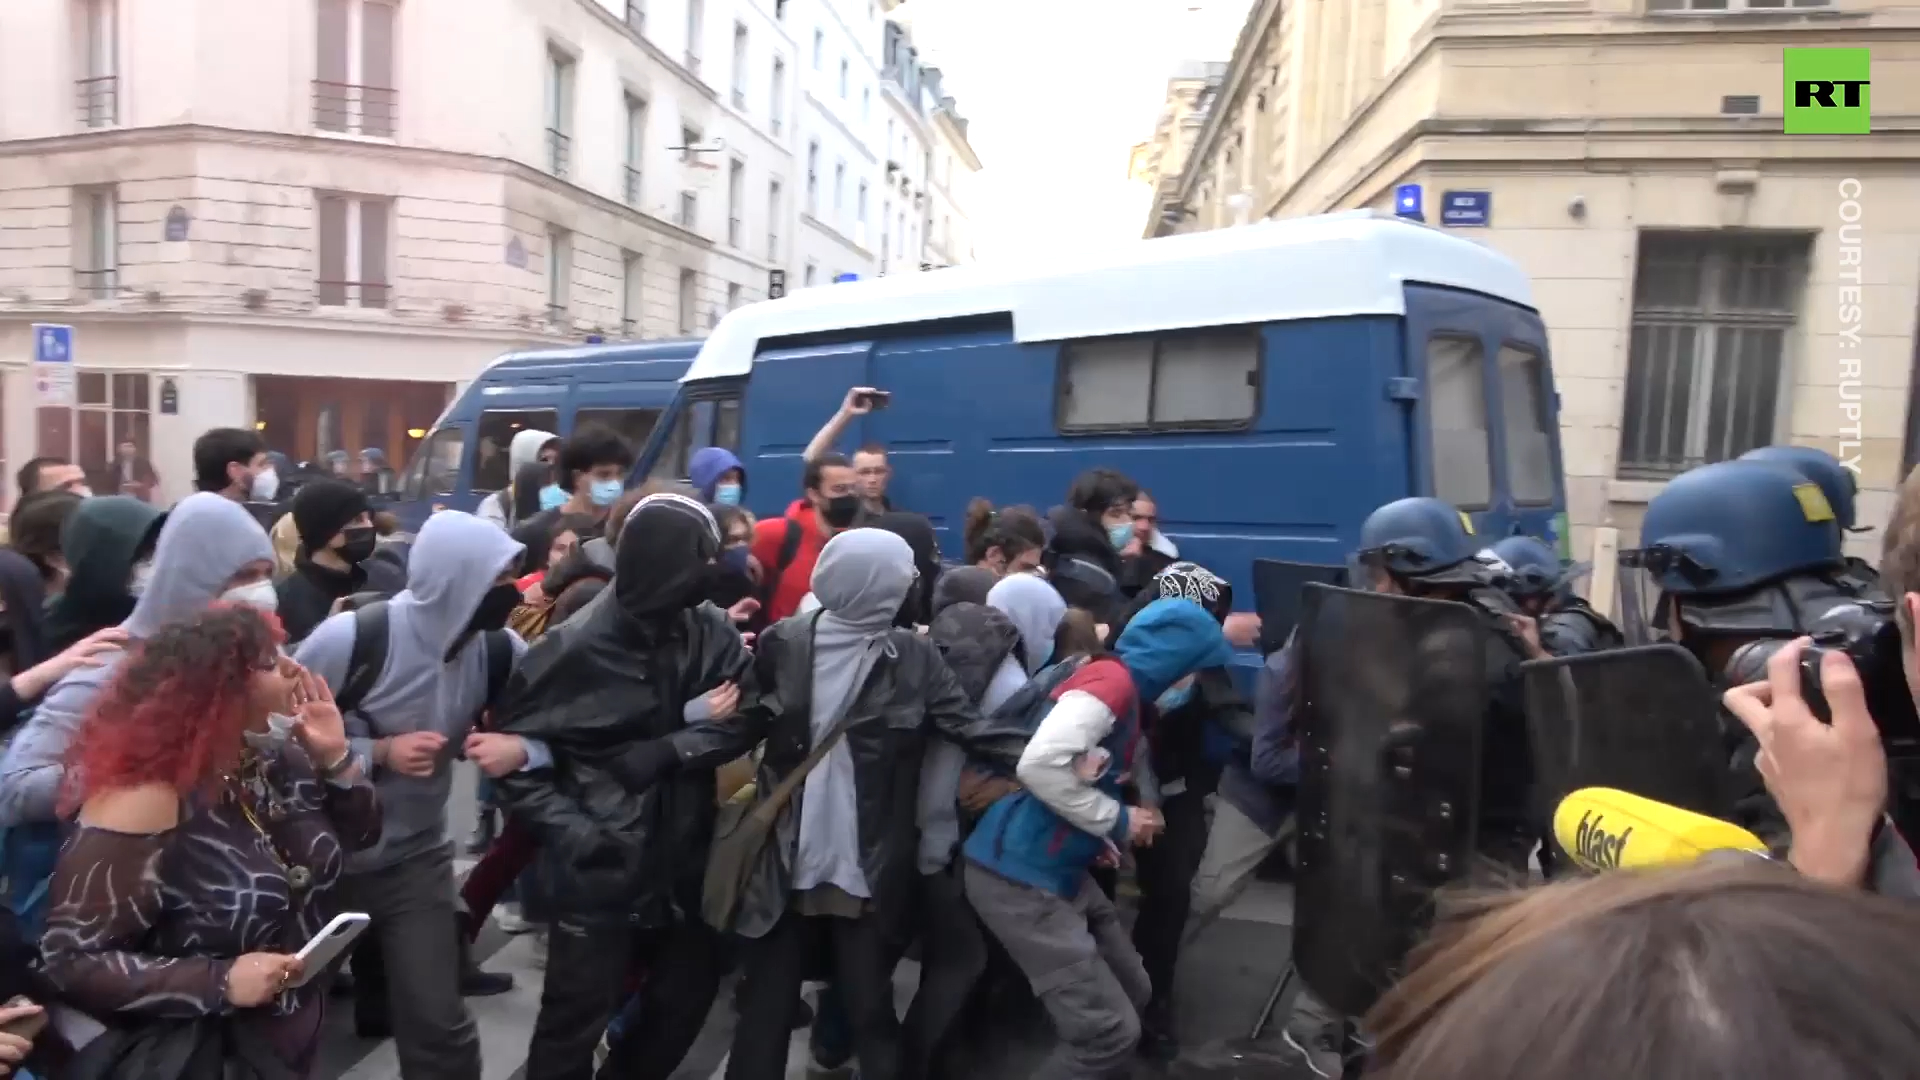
{"type": "Point", "coordinates": [1643, 719]}
{"type": "Point", "coordinates": [1394, 694]}
{"type": "Point", "coordinates": [1276, 595]}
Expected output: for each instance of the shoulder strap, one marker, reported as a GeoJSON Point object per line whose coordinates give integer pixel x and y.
{"type": "Point", "coordinates": [777, 798]}
{"type": "Point", "coordinates": [368, 657]}
{"type": "Point", "coordinates": [499, 664]}
{"type": "Point", "coordinates": [789, 551]}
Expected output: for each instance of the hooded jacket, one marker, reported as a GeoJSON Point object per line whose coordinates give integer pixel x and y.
{"type": "Point", "coordinates": [206, 540]}
{"type": "Point", "coordinates": [497, 508]}
{"type": "Point", "coordinates": [1083, 565]}
{"type": "Point", "coordinates": [1048, 834]}
{"type": "Point", "coordinates": [308, 594]}
{"type": "Point", "coordinates": [708, 465]}
{"type": "Point", "coordinates": [22, 633]}
{"type": "Point", "coordinates": [101, 542]}
{"type": "Point", "coordinates": [610, 682]}
{"type": "Point", "coordinates": [434, 677]}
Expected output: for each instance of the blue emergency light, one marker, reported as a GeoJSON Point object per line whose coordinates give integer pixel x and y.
{"type": "Point", "coordinates": [840, 278]}
{"type": "Point", "coordinates": [1407, 202]}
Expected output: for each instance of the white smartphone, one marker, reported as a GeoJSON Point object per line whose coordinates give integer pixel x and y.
{"type": "Point", "coordinates": [329, 945]}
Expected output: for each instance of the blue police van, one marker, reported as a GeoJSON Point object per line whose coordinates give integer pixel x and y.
{"type": "Point", "coordinates": [627, 387]}
{"type": "Point", "coordinates": [1270, 385]}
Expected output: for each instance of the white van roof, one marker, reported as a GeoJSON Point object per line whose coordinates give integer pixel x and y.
{"type": "Point", "coordinates": [1353, 263]}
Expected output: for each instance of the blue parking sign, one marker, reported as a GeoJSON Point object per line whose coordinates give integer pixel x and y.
{"type": "Point", "coordinates": [52, 343]}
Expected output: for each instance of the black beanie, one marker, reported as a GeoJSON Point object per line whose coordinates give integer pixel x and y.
{"type": "Point", "coordinates": [322, 508]}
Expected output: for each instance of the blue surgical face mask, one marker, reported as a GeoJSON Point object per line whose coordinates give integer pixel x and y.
{"type": "Point", "coordinates": [1175, 697]}
{"type": "Point", "coordinates": [606, 492]}
{"type": "Point", "coordinates": [727, 494]}
{"type": "Point", "coordinates": [734, 560]}
{"type": "Point", "coordinates": [552, 498]}
{"type": "Point", "coordinates": [1120, 535]}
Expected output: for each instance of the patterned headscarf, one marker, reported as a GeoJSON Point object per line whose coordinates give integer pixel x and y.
{"type": "Point", "coordinates": [1191, 581]}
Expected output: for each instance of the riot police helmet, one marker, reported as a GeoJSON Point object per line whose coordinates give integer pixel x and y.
{"type": "Point", "coordinates": [1734, 526]}
{"type": "Point", "coordinates": [1421, 539]}
{"type": "Point", "coordinates": [1836, 481]}
{"type": "Point", "coordinates": [1532, 568]}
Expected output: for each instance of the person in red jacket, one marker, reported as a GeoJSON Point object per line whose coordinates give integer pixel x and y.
{"type": "Point", "coordinates": [786, 547]}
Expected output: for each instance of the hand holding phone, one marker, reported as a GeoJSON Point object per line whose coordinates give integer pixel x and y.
{"type": "Point", "coordinates": [329, 945]}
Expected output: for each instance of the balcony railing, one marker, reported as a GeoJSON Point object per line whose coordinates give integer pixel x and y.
{"type": "Point", "coordinates": [693, 62]}
{"type": "Point", "coordinates": [559, 152]}
{"type": "Point", "coordinates": [98, 101]}
{"type": "Point", "coordinates": [631, 186]}
{"type": "Point", "coordinates": [740, 98]}
{"type": "Point", "coordinates": [364, 294]}
{"type": "Point", "coordinates": [733, 231]}
{"type": "Point", "coordinates": [97, 284]}
{"type": "Point", "coordinates": [689, 210]}
{"type": "Point", "coordinates": [355, 110]}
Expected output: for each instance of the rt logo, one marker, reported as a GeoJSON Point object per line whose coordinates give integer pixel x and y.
{"type": "Point", "coordinates": [1594, 847]}
{"type": "Point", "coordinates": [1826, 92]}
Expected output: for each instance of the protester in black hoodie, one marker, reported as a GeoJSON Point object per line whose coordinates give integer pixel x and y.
{"type": "Point", "coordinates": [108, 548]}
{"type": "Point", "coordinates": [336, 537]}
{"type": "Point", "coordinates": [1083, 556]}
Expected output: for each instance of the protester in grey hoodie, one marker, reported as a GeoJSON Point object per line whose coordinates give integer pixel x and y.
{"type": "Point", "coordinates": [210, 548]}
{"type": "Point", "coordinates": [527, 447]}
{"type": "Point", "coordinates": [415, 717]}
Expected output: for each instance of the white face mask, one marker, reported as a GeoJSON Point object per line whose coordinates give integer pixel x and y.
{"type": "Point", "coordinates": [279, 730]}
{"type": "Point", "coordinates": [266, 484]}
{"type": "Point", "coordinates": [260, 594]}
{"type": "Point", "coordinates": [141, 577]}
{"type": "Point", "coordinates": [83, 491]}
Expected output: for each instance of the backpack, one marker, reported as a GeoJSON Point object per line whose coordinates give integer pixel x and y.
{"type": "Point", "coordinates": [369, 658]}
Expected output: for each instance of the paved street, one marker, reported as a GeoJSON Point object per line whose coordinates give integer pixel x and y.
{"type": "Point", "coordinates": [1225, 977]}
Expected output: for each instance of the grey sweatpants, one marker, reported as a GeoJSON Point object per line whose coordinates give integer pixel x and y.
{"type": "Point", "coordinates": [1081, 964]}
{"type": "Point", "coordinates": [413, 917]}
{"type": "Point", "coordinates": [1236, 847]}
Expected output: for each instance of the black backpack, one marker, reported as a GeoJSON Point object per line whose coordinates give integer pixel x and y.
{"type": "Point", "coordinates": [369, 657]}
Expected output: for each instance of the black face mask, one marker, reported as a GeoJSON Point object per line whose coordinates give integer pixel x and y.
{"type": "Point", "coordinates": [358, 546]}
{"type": "Point", "coordinates": [841, 510]}
{"type": "Point", "coordinates": [494, 608]}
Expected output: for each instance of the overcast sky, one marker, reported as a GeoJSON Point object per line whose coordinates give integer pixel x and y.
{"type": "Point", "coordinates": [1057, 92]}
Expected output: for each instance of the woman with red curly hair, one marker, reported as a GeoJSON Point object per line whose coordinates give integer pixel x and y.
{"type": "Point", "coordinates": [217, 803]}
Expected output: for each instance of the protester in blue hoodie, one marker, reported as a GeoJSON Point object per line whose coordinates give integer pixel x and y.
{"type": "Point", "coordinates": [1028, 861]}
{"type": "Point", "coordinates": [718, 475]}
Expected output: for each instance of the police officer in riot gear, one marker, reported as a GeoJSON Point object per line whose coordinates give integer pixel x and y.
{"type": "Point", "coordinates": [1842, 489]}
{"type": "Point", "coordinates": [1543, 587]}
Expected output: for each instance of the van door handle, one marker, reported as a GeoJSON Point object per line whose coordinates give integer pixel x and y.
{"type": "Point", "coordinates": [1404, 388]}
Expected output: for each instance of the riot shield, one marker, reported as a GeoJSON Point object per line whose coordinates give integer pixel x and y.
{"type": "Point", "coordinates": [1393, 696]}
{"type": "Point", "coordinates": [1638, 601]}
{"type": "Point", "coordinates": [1276, 595]}
{"type": "Point", "coordinates": [1643, 719]}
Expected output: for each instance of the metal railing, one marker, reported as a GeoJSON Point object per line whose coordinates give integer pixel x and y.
{"type": "Point", "coordinates": [733, 231]}
{"type": "Point", "coordinates": [689, 210]}
{"type": "Point", "coordinates": [97, 284]}
{"type": "Point", "coordinates": [97, 101]}
{"type": "Point", "coordinates": [637, 16]}
{"type": "Point", "coordinates": [366, 294]}
{"type": "Point", "coordinates": [559, 152]}
{"type": "Point", "coordinates": [630, 187]}
{"type": "Point", "coordinates": [355, 110]}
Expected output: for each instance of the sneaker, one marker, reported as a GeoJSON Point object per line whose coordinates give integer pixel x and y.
{"type": "Point", "coordinates": [510, 921]}
{"type": "Point", "coordinates": [477, 983]}
{"type": "Point", "coordinates": [1317, 1046]}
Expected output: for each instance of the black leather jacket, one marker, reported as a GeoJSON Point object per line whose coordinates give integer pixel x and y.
{"type": "Point", "coordinates": [910, 696]}
{"type": "Point", "coordinates": [594, 689]}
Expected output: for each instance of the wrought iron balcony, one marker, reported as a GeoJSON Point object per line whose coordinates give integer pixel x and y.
{"type": "Point", "coordinates": [98, 284]}
{"type": "Point", "coordinates": [365, 294]}
{"type": "Point", "coordinates": [98, 101]}
{"type": "Point", "coordinates": [631, 187]}
{"type": "Point", "coordinates": [355, 110]}
{"type": "Point", "coordinates": [559, 152]}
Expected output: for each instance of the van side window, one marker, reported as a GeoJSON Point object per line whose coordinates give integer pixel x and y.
{"type": "Point", "coordinates": [1207, 379]}
{"type": "Point", "coordinates": [703, 422]}
{"type": "Point", "coordinates": [1526, 419]}
{"type": "Point", "coordinates": [633, 425]}
{"type": "Point", "coordinates": [1457, 410]}
{"type": "Point", "coordinates": [435, 469]}
{"type": "Point", "coordinates": [492, 470]}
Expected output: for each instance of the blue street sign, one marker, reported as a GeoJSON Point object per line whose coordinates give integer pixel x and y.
{"type": "Point", "coordinates": [838, 278]}
{"type": "Point", "coordinates": [1466, 209]}
{"type": "Point", "coordinates": [52, 343]}
{"type": "Point", "coordinates": [1407, 202]}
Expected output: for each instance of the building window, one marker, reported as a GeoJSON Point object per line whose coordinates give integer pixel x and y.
{"type": "Point", "coordinates": [1719, 7]}
{"type": "Point", "coordinates": [636, 148]}
{"type": "Point", "coordinates": [689, 216]}
{"type": "Point", "coordinates": [696, 28]}
{"type": "Point", "coordinates": [736, 200]}
{"type": "Point", "coordinates": [860, 215]}
{"type": "Point", "coordinates": [739, 65]}
{"type": "Point", "coordinates": [689, 142]}
{"type": "Point", "coordinates": [1182, 379]}
{"type": "Point", "coordinates": [637, 15]}
{"type": "Point", "coordinates": [689, 288]}
{"type": "Point", "coordinates": [353, 87]}
{"type": "Point", "coordinates": [1712, 314]}
{"type": "Point", "coordinates": [773, 220]}
{"type": "Point", "coordinates": [632, 294]}
{"type": "Point", "coordinates": [97, 91]}
{"type": "Point", "coordinates": [813, 178]}
{"type": "Point", "coordinates": [808, 277]}
{"type": "Point", "coordinates": [559, 112]}
{"type": "Point", "coordinates": [780, 9]}
{"type": "Point", "coordinates": [819, 49]}
{"type": "Point", "coordinates": [843, 78]}
{"type": "Point", "coordinates": [733, 295]}
{"type": "Point", "coordinates": [839, 189]}
{"type": "Point", "coordinates": [1457, 413]}
{"type": "Point", "coordinates": [866, 103]}
{"type": "Point", "coordinates": [96, 242]}
{"type": "Point", "coordinates": [777, 96]}
{"type": "Point", "coordinates": [354, 231]}
{"type": "Point", "coordinates": [559, 274]}
{"type": "Point", "coordinates": [110, 408]}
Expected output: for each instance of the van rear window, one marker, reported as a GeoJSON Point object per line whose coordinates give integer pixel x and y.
{"type": "Point", "coordinates": [1204, 380]}
{"type": "Point", "coordinates": [1457, 413]}
{"type": "Point", "coordinates": [1526, 419]}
